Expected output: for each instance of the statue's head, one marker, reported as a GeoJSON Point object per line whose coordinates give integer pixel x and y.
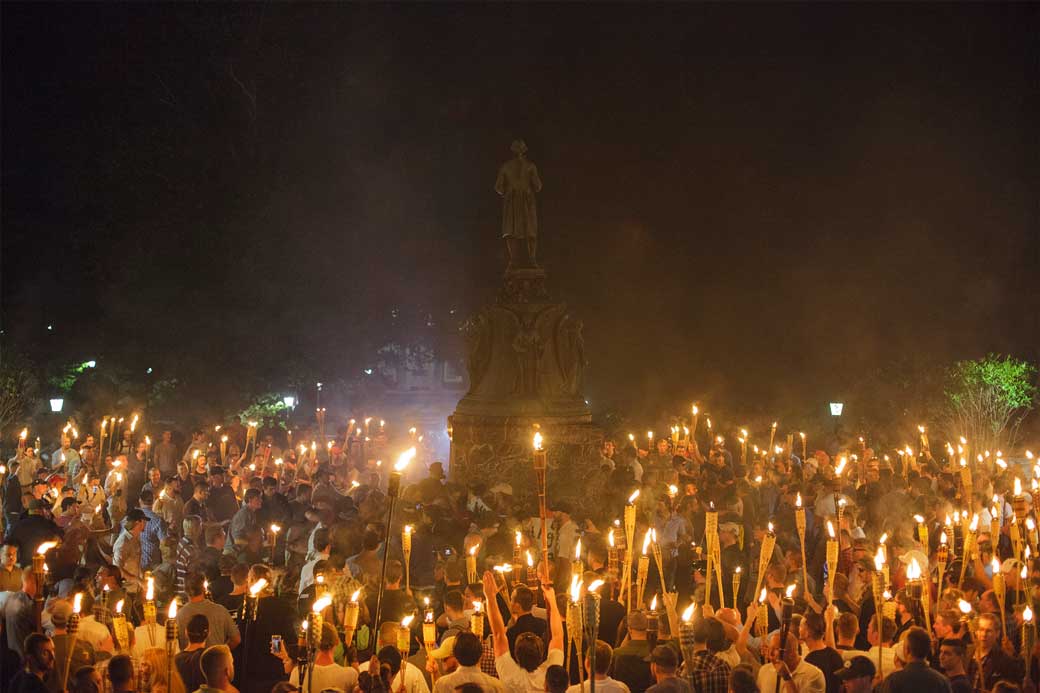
{"type": "Point", "coordinates": [518, 147]}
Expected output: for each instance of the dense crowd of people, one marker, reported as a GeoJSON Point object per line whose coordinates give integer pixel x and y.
{"type": "Point", "coordinates": [907, 572]}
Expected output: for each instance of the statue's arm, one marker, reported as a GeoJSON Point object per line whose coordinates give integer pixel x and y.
{"type": "Point", "coordinates": [536, 181]}
{"type": "Point", "coordinates": [500, 183]}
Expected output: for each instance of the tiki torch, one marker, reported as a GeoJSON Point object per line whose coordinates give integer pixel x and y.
{"type": "Point", "coordinates": [999, 590]}
{"type": "Point", "coordinates": [768, 546]}
{"type": "Point", "coordinates": [799, 522]}
{"type": "Point", "coordinates": [630, 532]}
{"type": "Point", "coordinates": [171, 637]}
{"type": "Point", "coordinates": [540, 466]}
{"type": "Point", "coordinates": [404, 636]}
{"type": "Point", "coordinates": [406, 550]}
{"type": "Point", "coordinates": [643, 567]}
{"type": "Point", "coordinates": [72, 628]}
{"type": "Point", "coordinates": [392, 491]}
{"type": "Point", "coordinates": [476, 621]}
{"type": "Point", "coordinates": [832, 561]}
{"type": "Point", "coordinates": [119, 627]}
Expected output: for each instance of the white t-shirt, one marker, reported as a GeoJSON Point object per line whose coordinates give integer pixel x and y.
{"type": "Point", "coordinates": [328, 676]}
{"type": "Point", "coordinates": [414, 681]}
{"type": "Point", "coordinates": [516, 679]}
{"type": "Point", "coordinates": [148, 636]}
{"type": "Point", "coordinates": [607, 685]}
{"type": "Point", "coordinates": [93, 632]}
{"type": "Point", "coordinates": [807, 678]}
{"type": "Point", "coordinates": [888, 660]}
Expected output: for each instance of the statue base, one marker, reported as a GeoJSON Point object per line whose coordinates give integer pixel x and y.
{"type": "Point", "coordinates": [526, 365]}
{"type": "Point", "coordinates": [496, 450]}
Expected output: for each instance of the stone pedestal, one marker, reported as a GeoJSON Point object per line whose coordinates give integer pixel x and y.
{"type": "Point", "coordinates": [526, 362]}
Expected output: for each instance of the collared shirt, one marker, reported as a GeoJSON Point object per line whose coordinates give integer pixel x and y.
{"type": "Point", "coordinates": [707, 673]}
{"type": "Point", "coordinates": [10, 580]}
{"type": "Point", "coordinates": [807, 678]}
{"type": "Point", "coordinates": [155, 531]}
{"type": "Point", "coordinates": [516, 679]}
{"type": "Point", "coordinates": [126, 555]}
{"type": "Point", "coordinates": [463, 675]}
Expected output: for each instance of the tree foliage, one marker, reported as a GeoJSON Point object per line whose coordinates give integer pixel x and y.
{"type": "Point", "coordinates": [19, 388]}
{"type": "Point", "coordinates": [988, 398]}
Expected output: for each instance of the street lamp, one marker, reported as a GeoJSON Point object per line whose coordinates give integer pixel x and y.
{"type": "Point", "coordinates": [56, 404]}
{"type": "Point", "coordinates": [289, 401]}
{"type": "Point", "coordinates": [837, 408]}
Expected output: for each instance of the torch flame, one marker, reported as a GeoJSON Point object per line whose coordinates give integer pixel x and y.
{"type": "Point", "coordinates": [646, 541]}
{"type": "Point", "coordinates": [149, 592]}
{"type": "Point", "coordinates": [798, 500]}
{"type": "Point", "coordinates": [519, 537]}
{"type": "Point", "coordinates": [830, 529]}
{"type": "Point", "coordinates": [762, 595]}
{"type": "Point", "coordinates": [354, 597]}
{"type": "Point", "coordinates": [258, 586]}
{"type": "Point", "coordinates": [633, 497]}
{"type": "Point", "coordinates": [407, 620]}
{"type": "Point", "coordinates": [473, 550]}
{"type": "Point", "coordinates": [964, 606]}
{"type": "Point", "coordinates": [321, 603]}
{"type": "Point", "coordinates": [595, 585]}
{"type": "Point", "coordinates": [610, 537]}
{"type": "Point", "coordinates": [119, 606]}
{"type": "Point", "coordinates": [172, 613]}
{"type": "Point", "coordinates": [687, 614]}
{"type": "Point", "coordinates": [913, 571]}
{"type": "Point", "coordinates": [1018, 486]}
{"type": "Point", "coordinates": [577, 550]}
{"type": "Point", "coordinates": [77, 602]}
{"type": "Point", "coordinates": [879, 559]}
{"type": "Point", "coordinates": [537, 441]}
{"type": "Point", "coordinates": [530, 561]}
{"type": "Point", "coordinates": [45, 547]}
{"type": "Point", "coordinates": [653, 603]}
{"type": "Point", "coordinates": [402, 461]}
{"type": "Point", "coordinates": [1027, 614]}
{"type": "Point", "coordinates": [943, 539]}
{"type": "Point", "coordinates": [477, 606]}
{"type": "Point", "coordinates": [789, 592]}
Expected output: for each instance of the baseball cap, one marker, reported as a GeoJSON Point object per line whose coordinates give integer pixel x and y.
{"type": "Point", "coordinates": [61, 610]}
{"type": "Point", "coordinates": [856, 668]}
{"type": "Point", "coordinates": [446, 648]}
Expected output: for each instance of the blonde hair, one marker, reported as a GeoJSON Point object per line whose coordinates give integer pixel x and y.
{"type": "Point", "coordinates": [158, 666]}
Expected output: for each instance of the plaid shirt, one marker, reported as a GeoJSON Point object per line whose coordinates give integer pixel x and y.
{"type": "Point", "coordinates": [487, 658]}
{"type": "Point", "coordinates": [707, 673]}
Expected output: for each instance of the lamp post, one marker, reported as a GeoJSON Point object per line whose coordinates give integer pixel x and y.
{"type": "Point", "coordinates": [392, 491]}
{"type": "Point", "coordinates": [56, 405]}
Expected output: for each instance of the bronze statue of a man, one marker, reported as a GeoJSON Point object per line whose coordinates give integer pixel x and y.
{"type": "Point", "coordinates": [517, 183]}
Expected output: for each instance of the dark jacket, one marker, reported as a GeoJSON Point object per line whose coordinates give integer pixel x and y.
{"type": "Point", "coordinates": [997, 666]}
{"type": "Point", "coordinates": [916, 677]}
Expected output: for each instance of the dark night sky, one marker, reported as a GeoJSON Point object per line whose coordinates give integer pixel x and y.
{"type": "Point", "coordinates": [751, 204]}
